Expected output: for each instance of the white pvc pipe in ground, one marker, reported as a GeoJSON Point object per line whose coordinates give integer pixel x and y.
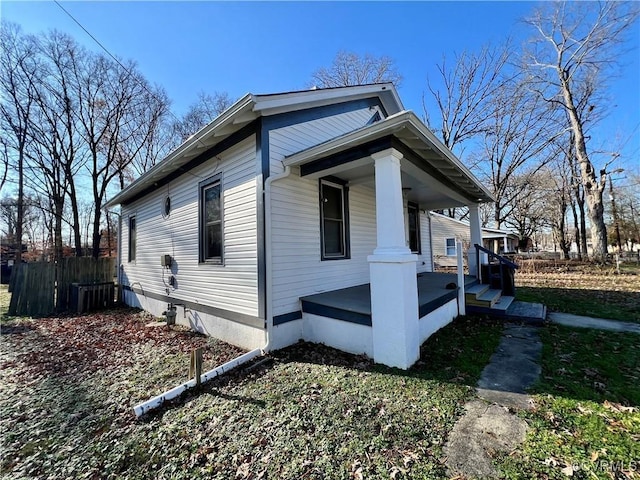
{"type": "Point", "coordinates": [155, 402]}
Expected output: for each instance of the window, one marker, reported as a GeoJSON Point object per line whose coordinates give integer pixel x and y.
{"type": "Point", "coordinates": [334, 221]}
{"type": "Point", "coordinates": [451, 247]}
{"type": "Point", "coordinates": [133, 239]}
{"type": "Point", "coordinates": [211, 220]}
{"type": "Point", "coordinates": [414, 227]}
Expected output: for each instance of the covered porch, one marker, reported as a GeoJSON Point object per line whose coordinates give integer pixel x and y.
{"type": "Point", "coordinates": [409, 172]}
{"type": "Point", "coordinates": [353, 304]}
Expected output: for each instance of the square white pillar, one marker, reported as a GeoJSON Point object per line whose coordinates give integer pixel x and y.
{"type": "Point", "coordinates": [476, 238]}
{"type": "Point", "coordinates": [394, 287]}
{"type": "Point", "coordinates": [394, 310]}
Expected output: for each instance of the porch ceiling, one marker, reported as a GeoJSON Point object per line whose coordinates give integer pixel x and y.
{"type": "Point", "coordinates": [431, 174]}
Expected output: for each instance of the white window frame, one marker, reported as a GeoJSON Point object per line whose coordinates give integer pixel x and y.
{"type": "Point", "coordinates": [447, 247]}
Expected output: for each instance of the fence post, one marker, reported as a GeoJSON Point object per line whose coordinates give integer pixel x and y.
{"type": "Point", "coordinates": [195, 365]}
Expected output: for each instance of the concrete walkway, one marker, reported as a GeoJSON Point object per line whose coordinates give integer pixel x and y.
{"type": "Point", "coordinates": [488, 425]}
{"type": "Point", "coordinates": [588, 322]}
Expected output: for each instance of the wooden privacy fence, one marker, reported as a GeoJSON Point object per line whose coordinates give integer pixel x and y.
{"type": "Point", "coordinates": [42, 288]}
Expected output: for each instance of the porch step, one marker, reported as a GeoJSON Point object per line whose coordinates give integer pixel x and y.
{"type": "Point", "coordinates": [486, 299]}
{"type": "Point", "coordinates": [503, 303]}
{"type": "Point", "coordinates": [474, 291]}
{"type": "Point", "coordinates": [517, 311]}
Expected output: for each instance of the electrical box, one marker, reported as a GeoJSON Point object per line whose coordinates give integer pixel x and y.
{"type": "Point", "coordinates": [165, 261]}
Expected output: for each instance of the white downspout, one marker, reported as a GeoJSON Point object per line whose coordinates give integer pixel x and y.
{"type": "Point", "coordinates": [269, 256]}
{"type": "Point", "coordinates": [158, 400]}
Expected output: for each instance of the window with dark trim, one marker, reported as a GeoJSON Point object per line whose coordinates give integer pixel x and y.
{"type": "Point", "coordinates": [451, 247]}
{"type": "Point", "coordinates": [211, 238]}
{"type": "Point", "coordinates": [133, 238]}
{"type": "Point", "coordinates": [334, 219]}
{"type": "Point", "coordinates": [414, 227]}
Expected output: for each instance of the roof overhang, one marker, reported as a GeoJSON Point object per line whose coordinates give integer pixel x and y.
{"type": "Point", "coordinates": [406, 132]}
{"type": "Point", "coordinates": [241, 114]}
{"type": "Point", "coordinates": [497, 233]}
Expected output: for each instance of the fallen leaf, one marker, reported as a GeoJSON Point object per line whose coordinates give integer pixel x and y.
{"type": "Point", "coordinates": [568, 470]}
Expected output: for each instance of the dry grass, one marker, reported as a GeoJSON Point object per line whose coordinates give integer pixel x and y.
{"type": "Point", "coordinates": [581, 288]}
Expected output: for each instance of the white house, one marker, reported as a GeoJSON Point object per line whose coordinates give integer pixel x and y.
{"type": "Point", "coordinates": [446, 231]}
{"type": "Point", "coordinates": [300, 215]}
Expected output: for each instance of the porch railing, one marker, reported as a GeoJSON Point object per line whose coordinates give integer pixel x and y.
{"type": "Point", "coordinates": [506, 268]}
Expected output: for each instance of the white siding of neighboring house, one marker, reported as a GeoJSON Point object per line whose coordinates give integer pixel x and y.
{"type": "Point", "coordinates": [441, 229]}
{"type": "Point", "coordinates": [232, 286]}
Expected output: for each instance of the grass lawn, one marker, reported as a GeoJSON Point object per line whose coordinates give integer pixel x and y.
{"type": "Point", "coordinates": [582, 289]}
{"type": "Point", "coordinates": [586, 420]}
{"type": "Point", "coordinates": [68, 385]}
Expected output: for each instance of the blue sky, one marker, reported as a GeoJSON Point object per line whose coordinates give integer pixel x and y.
{"type": "Point", "coordinates": [268, 47]}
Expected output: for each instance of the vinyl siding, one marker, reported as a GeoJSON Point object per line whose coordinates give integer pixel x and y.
{"type": "Point", "coordinates": [425, 263]}
{"type": "Point", "coordinates": [441, 229]}
{"type": "Point", "coordinates": [295, 138]}
{"type": "Point", "coordinates": [297, 267]}
{"type": "Point", "coordinates": [232, 286]}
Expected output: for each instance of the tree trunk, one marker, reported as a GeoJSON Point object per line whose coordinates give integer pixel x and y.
{"type": "Point", "coordinates": [57, 231]}
{"type": "Point", "coordinates": [496, 214]}
{"type": "Point", "coordinates": [96, 234]}
{"type": "Point", "coordinates": [76, 227]}
{"type": "Point", "coordinates": [593, 187]}
{"type": "Point", "coordinates": [583, 228]}
{"type": "Point", "coordinates": [108, 234]}
{"type": "Point", "coordinates": [598, 228]}
{"type": "Point", "coordinates": [576, 229]}
{"type": "Point", "coordinates": [562, 236]}
{"type": "Point", "coordinates": [20, 213]}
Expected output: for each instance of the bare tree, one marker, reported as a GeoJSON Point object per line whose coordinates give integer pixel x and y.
{"type": "Point", "coordinates": [529, 209]}
{"type": "Point", "coordinates": [18, 69]}
{"type": "Point", "coordinates": [59, 154]}
{"type": "Point", "coordinates": [154, 141]}
{"type": "Point", "coordinates": [204, 110]}
{"type": "Point", "coordinates": [576, 42]}
{"type": "Point", "coordinates": [464, 96]}
{"type": "Point", "coordinates": [114, 109]}
{"type": "Point", "coordinates": [464, 99]}
{"type": "Point", "coordinates": [557, 180]}
{"type": "Point", "coordinates": [517, 141]}
{"type": "Point", "coordinates": [350, 69]}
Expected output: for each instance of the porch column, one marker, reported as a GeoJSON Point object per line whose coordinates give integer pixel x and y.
{"type": "Point", "coordinates": [476, 237]}
{"type": "Point", "coordinates": [504, 244]}
{"type": "Point", "coordinates": [394, 288]}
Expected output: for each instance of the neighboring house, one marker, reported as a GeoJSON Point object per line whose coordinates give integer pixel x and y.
{"type": "Point", "coordinates": [500, 241]}
{"type": "Point", "coordinates": [446, 231]}
{"type": "Point", "coordinates": [300, 215]}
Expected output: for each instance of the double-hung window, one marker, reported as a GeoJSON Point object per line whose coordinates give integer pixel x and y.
{"type": "Point", "coordinates": [334, 219]}
{"type": "Point", "coordinates": [211, 238]}
{"type": "Point", "coordinates": [451, 247]}
{"type": "Point", "coordinates": [133, 238]}
{"type": "Point", "coordinates": [413, 214]}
